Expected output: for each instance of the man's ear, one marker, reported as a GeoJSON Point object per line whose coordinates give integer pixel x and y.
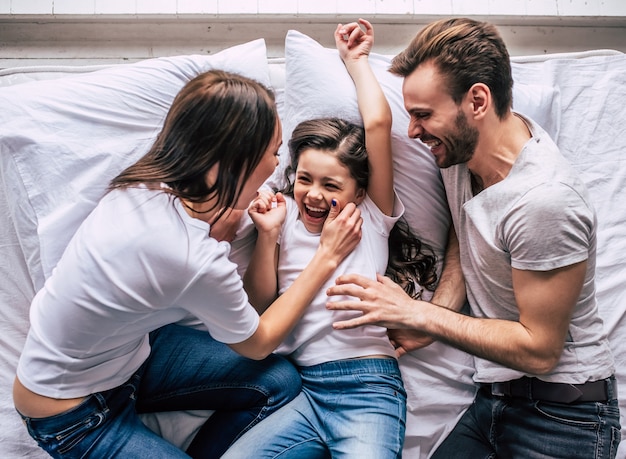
{"type": "Point", "coordinates": [479, 99]}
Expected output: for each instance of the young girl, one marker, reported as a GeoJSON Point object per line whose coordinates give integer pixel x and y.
{"type": "Point", "coordinates": [353, 402]}
{"type": "Point", "coordinates": [104, 343]}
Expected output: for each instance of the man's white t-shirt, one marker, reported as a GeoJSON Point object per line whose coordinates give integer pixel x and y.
{"type": "Point", "coordinates": [138, 262]}
{"type": "Point", "coordinates": [538, 218]}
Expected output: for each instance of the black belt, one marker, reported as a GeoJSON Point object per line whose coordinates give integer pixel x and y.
{"type": "Point", "coordinates": [536, 389]}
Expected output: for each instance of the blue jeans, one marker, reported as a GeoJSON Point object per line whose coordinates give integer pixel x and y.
{"type": "Point", "coordinates": [347, 409]}
{"type": "Point", "coordinates": [186, 369]}
{"type": "Point", "coordinates": [507, 427]}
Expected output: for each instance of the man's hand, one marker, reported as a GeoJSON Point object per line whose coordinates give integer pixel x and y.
{"type": "Point", "coordinates": [382, 302]}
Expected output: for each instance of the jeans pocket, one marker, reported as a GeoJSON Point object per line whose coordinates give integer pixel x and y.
{"type": "Point", "coordinates": [75, 433]}
{"type": "Point", "coordinates": [381, 383]}
{"type": "Point", "coordinates": [583, 415]}
{"type": "Point", "coordinates": [616, 437]}
{"type": "Point", "coordinates": [59, 435]}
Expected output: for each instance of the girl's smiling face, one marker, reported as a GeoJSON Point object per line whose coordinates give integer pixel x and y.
{"type": "Point", "coordinates": [319, 179]}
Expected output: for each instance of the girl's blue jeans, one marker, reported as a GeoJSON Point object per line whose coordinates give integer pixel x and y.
{"type": "Point", "coordinates": [347, 409]}
{"type": "Point", "coordinates": [186, 370]}
{"type": "Point", "coordinates": [519, 428]}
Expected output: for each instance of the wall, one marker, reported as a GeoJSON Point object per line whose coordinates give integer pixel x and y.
{"type": "Point", "coordinates": [610, 8]}
{"type": "Point", "coordinates": [34, 32]}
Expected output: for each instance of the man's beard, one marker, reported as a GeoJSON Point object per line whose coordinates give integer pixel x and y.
{"type": "Point", "coordinates": [462, 142]}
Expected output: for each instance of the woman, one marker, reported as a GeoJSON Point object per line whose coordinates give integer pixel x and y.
{"type": "Point", "coordinates": [103, 343]}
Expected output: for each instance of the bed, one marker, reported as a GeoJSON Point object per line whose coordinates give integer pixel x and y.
{"type": "Point", "coordinates": [65, 131]}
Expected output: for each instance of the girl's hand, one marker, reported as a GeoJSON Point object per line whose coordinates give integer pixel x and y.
{"type": "Point", "coordinates": [354, 40]}
{"type": "Point", "coordinates": [268, 211]}
{"type": "Point", "coordinates": [342, 231]}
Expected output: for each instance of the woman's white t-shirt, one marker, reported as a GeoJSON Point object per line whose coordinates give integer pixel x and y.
{"type": "Point", "coordinates": [138, 262]}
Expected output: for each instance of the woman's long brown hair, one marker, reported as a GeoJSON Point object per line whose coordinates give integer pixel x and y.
{"type": "Point", "coordinates": [218, 118]}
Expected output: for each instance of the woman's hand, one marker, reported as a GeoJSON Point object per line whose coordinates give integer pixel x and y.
{"type": "Point", "coordinates": [354, 40]}
{"type": "Point", "coordinates": [342, 231]}
{"type": "Point", "coordinates": [268, 211]}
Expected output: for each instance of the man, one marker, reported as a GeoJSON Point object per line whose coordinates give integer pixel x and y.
{"type": "Point", "coordinates": [525, 259]}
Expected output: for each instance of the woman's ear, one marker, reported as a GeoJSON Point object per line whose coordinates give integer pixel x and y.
{"type": "Point", "coordinates": [211, 175]}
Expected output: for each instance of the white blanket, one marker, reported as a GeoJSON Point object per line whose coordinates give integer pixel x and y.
{"type": "Point", "coordinates": [583, 98]}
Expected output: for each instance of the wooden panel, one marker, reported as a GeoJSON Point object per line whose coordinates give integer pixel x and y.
{"type": "Point", "coordinates": [104, 38]}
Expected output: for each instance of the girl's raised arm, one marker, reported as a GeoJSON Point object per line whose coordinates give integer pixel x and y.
{"type": "Point", "coordinates": [354, 42]}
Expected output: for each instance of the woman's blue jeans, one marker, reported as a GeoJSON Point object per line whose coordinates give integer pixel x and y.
{"type": "Point", "coordinates": [186, 370]}
{"type": "Point", "coordinates": [518, 428]}
{"type": "Point", "coordinates": [347, 409]}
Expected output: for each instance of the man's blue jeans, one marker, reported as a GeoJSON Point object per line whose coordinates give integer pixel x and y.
{"type": "Point", "coordinates": [348, 409]}
{"type": "Point", "coordinates": [186, 370]}
{"type": "Point", "coordinates": [507, 427]}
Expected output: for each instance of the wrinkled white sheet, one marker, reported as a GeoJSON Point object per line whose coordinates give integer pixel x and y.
{"type": "Point", "coordinates": [591, 133]}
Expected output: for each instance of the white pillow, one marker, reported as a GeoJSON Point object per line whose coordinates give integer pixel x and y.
{"type": "Point", "coordinates": [62, 140]}
{"type": "Point", "coordinates": [539, 102]}
{"type": "Point", "coordinates": [318, 85]}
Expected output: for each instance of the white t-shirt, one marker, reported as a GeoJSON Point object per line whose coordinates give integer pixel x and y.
{"type": "Point", "coordinates": [538, 218]}
{"type": "Point", "coordinates": [138, 262]}
{"type": "Point", "coordinates": [313, 340]}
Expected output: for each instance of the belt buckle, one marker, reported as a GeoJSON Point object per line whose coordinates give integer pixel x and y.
{"type": "Point", "coordinates": [500, 389]}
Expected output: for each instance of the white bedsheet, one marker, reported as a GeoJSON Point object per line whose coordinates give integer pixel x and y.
{"type": "Point", "coordinates": [592, 134]}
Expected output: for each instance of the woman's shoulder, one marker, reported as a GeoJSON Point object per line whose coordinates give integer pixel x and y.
{"type": "Point", "coordinates": [154, 223]}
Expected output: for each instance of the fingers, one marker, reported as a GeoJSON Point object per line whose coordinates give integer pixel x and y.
{"type": "Point", "coordinates": [351, 323]}
{"type": "Point", "coordinates": [343, 31]}
{"type": "Point", "coordinates": [340, 33]}
{"type": "Point", "coordinates": [366, 26]}
{"type": "Point", "coordinates": [356, 279]}
{"type": "Point", "coordinates": [341, 231]}
{"type": "Point", "coordinates": [351, 33]}
{"type": "Point", "coordinates": [353, 216]}
{"type": "Point", "coordinates": [350, 213]}
{"type": "Point", "coordinates": [400, 351]}
{"type": "Point", "coordinates": [335, 208]}
{"type": "Point", "coordinates": [264, 201]}
{"type": "Point", "coordinates": [280, 197]}
{"type": "Point", "coordinates": [344, 290]}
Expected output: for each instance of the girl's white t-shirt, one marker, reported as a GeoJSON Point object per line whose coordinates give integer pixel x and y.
{"type": "Point", "coordinates": [138, 262]}
{"type": "Point", "coordinates": [313, 340]}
